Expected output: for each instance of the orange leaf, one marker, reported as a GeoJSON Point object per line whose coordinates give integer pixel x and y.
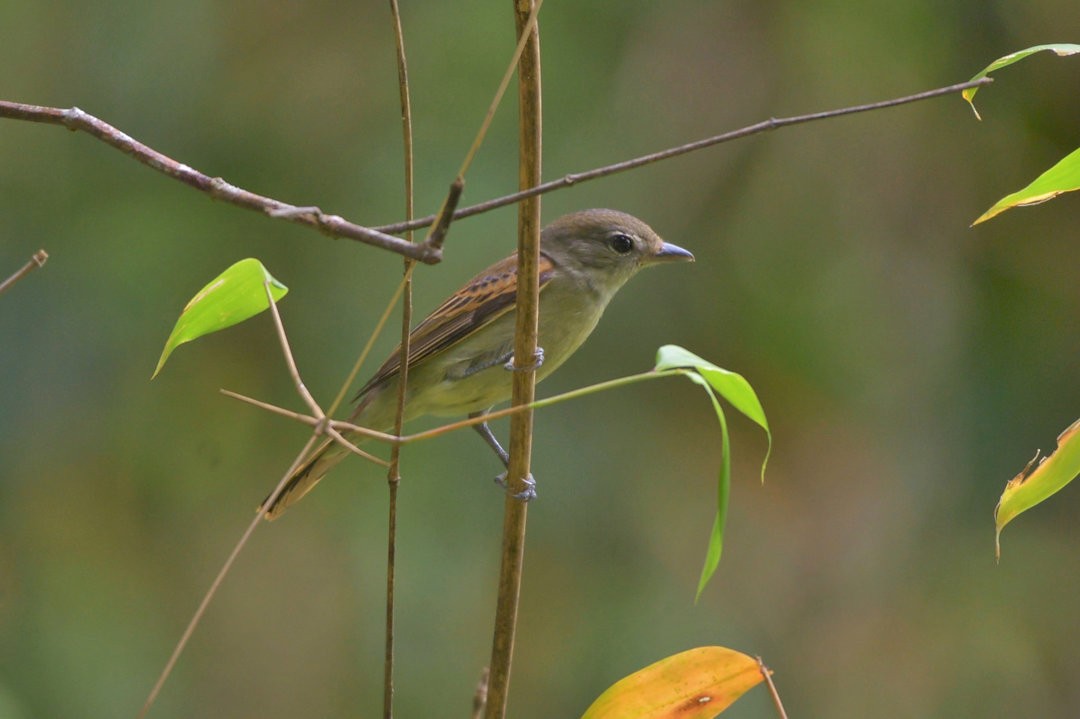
{"type": "Point", "coordinates": [695, 684]}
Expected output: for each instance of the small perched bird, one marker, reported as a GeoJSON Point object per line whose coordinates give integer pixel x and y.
{"type": "Point", "coordinates": [461, 354]}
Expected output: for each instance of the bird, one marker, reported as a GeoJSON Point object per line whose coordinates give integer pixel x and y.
{"type": "Point", "coordinates": [461, 356]}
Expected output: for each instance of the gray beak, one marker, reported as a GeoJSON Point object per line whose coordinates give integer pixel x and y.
{"type": "Point", "coordinates": [672, 253]}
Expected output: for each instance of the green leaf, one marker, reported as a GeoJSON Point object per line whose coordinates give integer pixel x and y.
{"type": "Point", "coordinates": [732, 386]}
{"type": "Point", "coordinates": [1060, 49]}
{"type": "Point", "coordinates": [735, 389]}
{"type": "Point", "coordinates": [1062, 177]}
{"type": "Point", "coordinates": [1050, 475]}
{"type": "Point", "coordinates": [695, 684]}
{"type": "Point", "coordinates": [723, 491]}
{"type": "Point", "coordinates": [232, 297]}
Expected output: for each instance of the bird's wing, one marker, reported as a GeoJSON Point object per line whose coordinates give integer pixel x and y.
{"type": "Point", "coordinates": [481, 301]}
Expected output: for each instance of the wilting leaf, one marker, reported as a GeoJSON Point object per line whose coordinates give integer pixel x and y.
{"type": "Point", "coordinates": [1030, 487]}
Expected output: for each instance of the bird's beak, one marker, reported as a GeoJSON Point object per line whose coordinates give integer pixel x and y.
{"type": "Point", "coordinates": [672, 253]}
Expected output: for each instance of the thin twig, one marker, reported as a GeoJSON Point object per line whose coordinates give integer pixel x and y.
{"type": "Point", "coordinates": [197, 617]}
{"type": "Point", "coordinates": [346, 386]}
{"type": "Point", "coordinates": [536, 404]}
{"type": "Point", "coordinates": [523, 38]}
{"type": "Point", "coordinates": [332, 427]}
{"type": "Point", "coordinates": [36, 261]}
{"type": "Point", "coordinates": [764, 126]}
{"type": "Point", "coordinates": [447, 213]}
{"type": "Point", "coordinates": [767, 674]}
{"type": "Point", "coordinates": [75, 119]}
{"type": "Point", "coordinates": [335, 433]}
{"type": "Point", "coordinates": [290, 361]}
{"type": "Point", "coordinates": [518, 479]}
{"type": "Point", "coordinates": [343, 426]}
{"type": "Point", "coordinates": [322, 424]}
{"type": "Point", "coordinates": [299, 417]}
{"type": "Point", "coordinates": [393, 474]}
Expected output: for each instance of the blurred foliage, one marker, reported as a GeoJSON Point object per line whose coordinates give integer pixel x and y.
{"type": "Point", "coordinates": [909, 363]}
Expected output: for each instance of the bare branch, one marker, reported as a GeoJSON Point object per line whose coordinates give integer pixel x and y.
{"type": "Point", "coordinates": [36, 261]}
{"type": "Point", "coordinates": [764, 126]}
{"type": "Point", "coordinates": [333, 225]}
{"type": "Point", "coordinates": [446, 214]}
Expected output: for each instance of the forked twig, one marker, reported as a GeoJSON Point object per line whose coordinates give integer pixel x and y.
{"type": "Point", "coordinates": [330, 424]}
{"type": "Point", "coordinates": [323, 424]}
{"type": "Point", "coordinates": [75, 119]}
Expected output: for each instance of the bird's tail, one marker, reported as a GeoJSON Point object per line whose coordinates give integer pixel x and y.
{"type": "Point", "coordinates": [306, 476]}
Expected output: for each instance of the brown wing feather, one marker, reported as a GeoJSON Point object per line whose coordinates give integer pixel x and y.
{"type": "Point", "coordinates": [484, 298]}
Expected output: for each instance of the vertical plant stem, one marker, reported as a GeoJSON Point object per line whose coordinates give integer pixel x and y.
{"type": "Point", "coordinates": [515, 509]}
{"type": "Point", "coordinates": [393, 476]}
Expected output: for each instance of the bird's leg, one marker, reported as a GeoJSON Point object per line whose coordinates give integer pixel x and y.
{"type": "Point", "coordinates": [485, 431]}
{"type": "Point", "coordinates": [529, 493]}
{"type": "Point", "coordinates": [538, 361]}
{"type": "Point", "coordinates": [506, 360]}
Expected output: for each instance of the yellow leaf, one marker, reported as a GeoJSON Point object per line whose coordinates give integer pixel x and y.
{"type": "Point", "coordinates": [695, 684]}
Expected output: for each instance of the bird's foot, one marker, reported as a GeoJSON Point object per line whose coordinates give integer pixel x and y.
{"type": "Point", "coordinates": [538, 361]}
{"type": "Point", "coordinates": [526, 495]}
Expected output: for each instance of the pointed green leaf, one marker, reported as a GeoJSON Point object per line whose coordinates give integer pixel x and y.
{"type": "Point", "coordinates": [1062, 49]}
{"type": "Point", "coordinates": [732, 386]}
{"type": "Point", "coordinates": [1062, 177]}
{"type": "Point", "coordinates": [1028, 488]}
{"type": "Point", "coordinates": [695, 684]}
{"type": "Point", "coordinates": [735, 389]}
{"type": "Point", "coordinates": [723, 493]}
{"type": "Point", "coordinates": [232, 297]}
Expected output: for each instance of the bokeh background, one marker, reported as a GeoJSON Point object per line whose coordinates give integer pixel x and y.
{"type": "Point", "coordinates": [909, 364]}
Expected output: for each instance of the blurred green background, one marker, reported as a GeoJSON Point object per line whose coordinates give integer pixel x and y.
{"type": "Point", "coordinates": [909, 364]}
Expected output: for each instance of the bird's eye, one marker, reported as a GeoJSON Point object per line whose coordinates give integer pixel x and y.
{"type": "Point", "coordinates": [622, 243]}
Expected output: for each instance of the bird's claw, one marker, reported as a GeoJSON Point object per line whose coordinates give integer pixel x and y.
{"type": "Point", "coordinates": [526, 495]}
{"type": "Point", "coordinates": [538, 361]}
{"type": "Point", "coordinates": [529, 493]}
